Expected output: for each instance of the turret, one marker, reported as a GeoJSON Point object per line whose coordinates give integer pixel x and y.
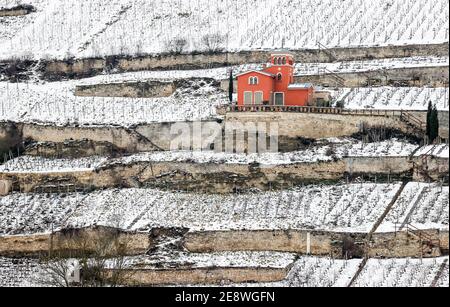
{"type": "Point", "coordinates": [281, 65]}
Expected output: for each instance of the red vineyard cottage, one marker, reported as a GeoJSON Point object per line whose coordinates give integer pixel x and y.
{"type": "Point", "coordinates": [274, 85]}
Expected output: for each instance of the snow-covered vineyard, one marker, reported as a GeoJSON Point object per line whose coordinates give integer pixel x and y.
{"type": "Point", "coordinates": [338, 208]}
{"type": "Point", "coordinates": [392, 98]}
{"type": "Point", "coordinates": [66, 28]}
{"type": "Point", "coordinates": [440, 151]}
{"type": "Point", "coordinates": [305, 271]}
{"type": "Point", "coordinates": [228, 259]}
{"type": "Point", "coordinates": [345, 148]}
{"type": "Point", "coordinates": [56, 103]}
{"type": "Point", "coordinates": [419, 204]}
{"type": "Point", "coordinates": [19, 272]}
{"type": "Point", "coordinates": [403, 273]}
{"type": "Point", "coordinates": [358, 182]}
{"type": "Point", "coordinates": [323, 272]}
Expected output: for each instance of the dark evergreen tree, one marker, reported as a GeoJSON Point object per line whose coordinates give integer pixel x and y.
{"type": "Point", "coordinates": [434, 133]}
{"type": "Point", "coordinates": [231, 87]}
{"type": "Point", "coordinates": [429, 111]}
{"type": "Point", "coordinates": [432, 123]}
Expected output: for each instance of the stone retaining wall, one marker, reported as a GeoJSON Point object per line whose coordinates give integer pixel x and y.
{"type": "Point", "coordinates": [69, 241]}
{"type": "Point", "coordinates": [321, 243]}
{"type": "Point", "coordinates": [146, 89]}
{"type": "Point", "coordinates": [197, 276]}
{"type": "Point", "coordinates": [211, 177]}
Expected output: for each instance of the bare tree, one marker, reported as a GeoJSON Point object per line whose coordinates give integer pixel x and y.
{"type": "Point", "coordinates": [176, 46]}
{"type": "Point", "coordinates": [213, 42]}
{"type": "Point", "coordinates": [101, 256]}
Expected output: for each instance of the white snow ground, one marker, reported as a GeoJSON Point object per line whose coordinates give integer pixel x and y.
{"type": "Point", "coordinates": [423, 205]}
{"type": "Point", "coordinates": [35, 213]}
{"type": "Point", "coordinates": [167, 260]}
{"type": "Point", "coordinates": [321, 272]}
{"type": "Point", "coordinates": [437, 151]}
{"type": "Point", "coordinates": [348, 207]}
{"type": "Point", "coordinates": [31, 164]}
{"type": "Point", "coordinates": [21, 272]}
{"type": "Point", "coordinates": [400, 273]}
{"type": "Point", "coordinates": [88, 28]}
{"type": "Point", "coordinates": [305, 272]}
{"type": "Point", "coordinates": [394, 98]}
{"type": "Point", "coordinates": [56, 104]}
{"type": "Point", "coordinates": [326, 272]}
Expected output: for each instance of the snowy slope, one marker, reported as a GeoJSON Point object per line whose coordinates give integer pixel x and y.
{"type": "Point", "coordinates": [399, 272]}
{"type": "Point", "coordinates": [22, 272]}
{"type": "Point", "coordinates": [89, 28]}
{"type": "Point", "coordinates": [321, 272]}
{"type": "Point", "coordinates": [35, 213]}
{"type": "Point", "coordinates": [437, 151]}
{"type": "Point", "coordinates": [55, 103]}
{"type": "Point", "coordinates": [423, 205]}
{"type": "Point", "coordinates": [162, 260]}
{"type": "Point", "coordinates": [352, 207]}
{"type": "Point", "coordinates": [305, 272]}
{"type": "Point", "coordinates": [9, 27]}
{"type": "Point", "coordinates": [394, 98]}
{"type": "Point", "coordinates": [30, 164]}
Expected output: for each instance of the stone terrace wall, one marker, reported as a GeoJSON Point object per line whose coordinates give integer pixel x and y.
{"type": "Point", "coordinates": [213, 275]}
{"type": "Point", "coordinates": [147, 89]}
{"type": "Point", "coordinates": [19, 10]}
{"type": "Point", "coordinates": [322, 243]}
{"type": "Point", "coordinates": [157, 136]}
{"type": "Point", "coordinates": [317, 126]}
{"type": "Point", "coordinates": [122, 138]}
{"type": "Point", "coordinates": [210, 177]}
{"type": "Point", "coordinates": [69, 241]}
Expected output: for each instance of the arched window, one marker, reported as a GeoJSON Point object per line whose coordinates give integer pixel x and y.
{"type": "Point", "coordinates": [253, 80]}
{"type": "Point", "coordinates": [284, 61]}
{"type": "Point", "coordinates": [279, 61]}
{"type": "Point", "coordinates": [279, 76]}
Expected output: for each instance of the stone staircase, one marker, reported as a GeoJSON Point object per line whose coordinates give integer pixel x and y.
{"type": "Point", "coordinates": [429, 245]}
{"type": "Point", "coordinates": [415, 123]}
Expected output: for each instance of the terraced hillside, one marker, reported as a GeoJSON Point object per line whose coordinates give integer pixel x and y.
{"type": "Point", "coordinates": [101, 28]}
{"type": "Point", "coordinates": [113, 143]}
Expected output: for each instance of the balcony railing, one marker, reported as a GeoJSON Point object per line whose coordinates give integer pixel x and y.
{"type": "Point", "coordinates": [311, 109]}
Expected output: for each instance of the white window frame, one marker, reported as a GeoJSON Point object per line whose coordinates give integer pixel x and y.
{"type": "Point", "coordinates": [251, 99]}
{"type": "Point", "coordinates": [254, 97]}
{"type": "Point", "coordinates": [275, 99]}
{"type": "Point", "coordinates": [253, 80]}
